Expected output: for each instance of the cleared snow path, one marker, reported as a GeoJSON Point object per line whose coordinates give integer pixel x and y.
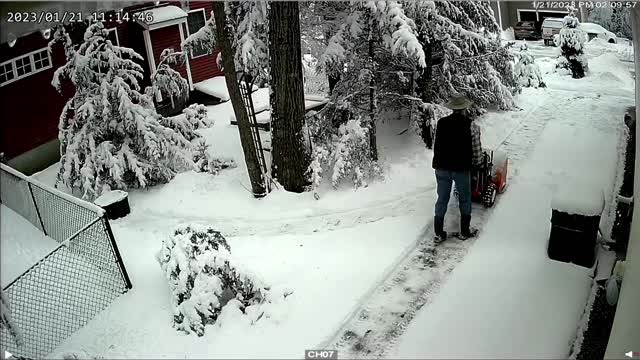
{"type": "Point", "coordinates": [507, 299]}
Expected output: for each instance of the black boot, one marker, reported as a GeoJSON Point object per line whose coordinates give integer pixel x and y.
{"type": "Point", "coordinates": [438, 225]}
{"type": "Point", "coordinates": [465, 230]}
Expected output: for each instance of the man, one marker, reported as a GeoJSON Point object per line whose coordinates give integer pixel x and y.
{"type": "Point", "coordinates": [456, 152]}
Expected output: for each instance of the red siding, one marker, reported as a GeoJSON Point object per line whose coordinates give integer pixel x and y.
{"type": "Point", "coordinates": [204, 67]}
{"type": "Point", "coordinates": [30, 106]}
{"type": "Point", "coordinates": [167, 38]}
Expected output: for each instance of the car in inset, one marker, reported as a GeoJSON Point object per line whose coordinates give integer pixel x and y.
{"type": "Point", "coordinates": [526, 30]}
{"type": "Point", "coordinates": [550, 28]}
{"type": "Point", "coordinates": [596, 31]}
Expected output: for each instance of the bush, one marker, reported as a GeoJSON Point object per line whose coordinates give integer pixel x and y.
{"type": "Point", "coordinates": [196, 115]}
{"type": "Point", "coordinates": [345, 156]}
{"type": "Point", "coordinates": [527, 71]}
{"type": "Point", "coordinates": [203, 277]}
{"type": "Point", "coordinates": [206, 163]}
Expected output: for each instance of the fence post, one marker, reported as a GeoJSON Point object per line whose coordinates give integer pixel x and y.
{"type": "Point", "coordinates": [116, 252]}
{"type": "Point", "coordinates": [35, 204]}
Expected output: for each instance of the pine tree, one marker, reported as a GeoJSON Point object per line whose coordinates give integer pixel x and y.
{"type": "Point", "coordinates": [526, 70]}
{"type": "Point", "coordinates": [571, 43]}
{"type": "Point", "coordinates": [110, 136]}
{"type": "Point", "coordinates": [167, 81]}
{"type": "Point", "coordinates": [290, 156]}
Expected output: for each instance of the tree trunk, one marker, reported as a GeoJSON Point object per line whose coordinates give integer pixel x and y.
{"type": "Point", "coordinates": [258, 184]}
{"type": "Point", "coordinates": [424, 90]}
{"type": "Point", "coordinates": [373, 144]}
{"type": "Point", "coordinates": [290, 157]}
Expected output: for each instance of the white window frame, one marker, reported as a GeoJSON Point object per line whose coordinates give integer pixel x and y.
{"type": "Point", "coordinates": [31, 61]}
{"type": "Point", "coordinates": [540, 11]}
{"type": "Point", "coordinates": [115, 29]}
{"type": "Point", "coordinates": [204, 15]}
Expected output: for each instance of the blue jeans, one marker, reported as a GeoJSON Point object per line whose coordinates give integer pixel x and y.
{"type": "Point", "coordinates": [444, 180]}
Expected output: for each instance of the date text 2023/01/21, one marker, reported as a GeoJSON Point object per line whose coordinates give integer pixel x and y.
{"type": "Point", "coordinates": [66, 17]}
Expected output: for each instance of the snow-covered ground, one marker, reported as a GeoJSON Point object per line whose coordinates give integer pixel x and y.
{"type": "Point", "coordinates": [21, 245]}
{"type": "Point", "coordinates": [332, 250]}
{"type": "Point", "coordinates": [507, 299]}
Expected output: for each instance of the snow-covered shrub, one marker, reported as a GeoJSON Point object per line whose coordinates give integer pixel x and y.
{"type": "Point", "coordinates": [110, 138]}
{"type": "Point", "coordinates": [571, 43]}
{"type": "Point", "coordinates": [206, 163]}
{"type": "Point", "coordinates": [203, 277]}
{"type": "Point", "coordinates": [197, 116]}
{"type": "Point", "coordinates": [527, 71]}
{"type": "Point", "coordinates": [345, 156]}
{"type": "Point", "coordinates": [167, 81]}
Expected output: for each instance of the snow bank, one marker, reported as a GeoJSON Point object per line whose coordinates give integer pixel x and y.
{"type": "Point", "coordinates": [22, 245]}
{"type": "Point", "coordinates": [216, 87]}
{"type": "Point", "coordinates": [579, 199]}
{"type": "Point", "coordinates": [508, 35]}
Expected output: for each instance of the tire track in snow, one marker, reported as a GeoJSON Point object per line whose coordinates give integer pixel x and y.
{"type": "Point", "coordinates": [373, 328]}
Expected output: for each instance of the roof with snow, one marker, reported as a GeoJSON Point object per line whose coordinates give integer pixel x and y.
{"type": "Point", "coordinates": [160, 15]}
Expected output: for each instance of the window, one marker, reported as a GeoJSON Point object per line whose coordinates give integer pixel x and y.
{"type": "Point", "coordinates": [113, 36]}
{"type": "Point", "coordinates": [195, 21]}
{"type": "Point", "coordinates": [25, 65]}
{"type": "Point", "coordinates": [41, 59]}
{"type": "Point", "coordinates": [6, 72]}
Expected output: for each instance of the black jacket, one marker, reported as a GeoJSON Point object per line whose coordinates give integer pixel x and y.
{"type": "Point", "coordinates": [453, 148]}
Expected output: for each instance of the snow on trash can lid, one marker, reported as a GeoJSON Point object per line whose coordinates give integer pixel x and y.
{"type": "Point", "coordinates": [579, 199]}
{"type": "Point", "coordinates": [110, 197]}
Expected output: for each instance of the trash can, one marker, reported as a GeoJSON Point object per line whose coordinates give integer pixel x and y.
{"type": "Point", "coordinates": [575, 222]}
{"type": "Point", "coordinates": [115, 203]}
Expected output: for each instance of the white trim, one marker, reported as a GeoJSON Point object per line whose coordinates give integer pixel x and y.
{"type": "Point", "coordinates": [31, 62]}
{"type": "Point", "coordinates": [149, 47]}
{"type": "Point", "coordinates": [540, 11]}
{"type": "Point", "coordinates": [189, 78]}
{"type": "Point", "coordinates": [499, 15]}
{"type": "Point", "coordinates": [115, 29]}
{"type": "Point", "coordinates": [204, 16]}
{"type": "Point", "coordinates": [167, 23]}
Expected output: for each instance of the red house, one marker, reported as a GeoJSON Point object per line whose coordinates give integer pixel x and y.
{"type": "Point", "coordinates": [31, 106]}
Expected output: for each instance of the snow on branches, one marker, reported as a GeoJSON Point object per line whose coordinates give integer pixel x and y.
{"type": "Point", "coordinates": [527, 71]}
{"type": "Point", "coordinates": [167, 81]}
{"type": "Point", "coordinates": [110, 138]}
{"type": "Point", "coordinates": [571, 43]}
{"type": "Point", "coordinates": [204, 278]}
{"type": "Point", "coordinates": [344, 156]}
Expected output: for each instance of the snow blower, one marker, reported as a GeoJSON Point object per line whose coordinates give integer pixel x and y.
{"type": "Point", "coordinates": [490, 179]}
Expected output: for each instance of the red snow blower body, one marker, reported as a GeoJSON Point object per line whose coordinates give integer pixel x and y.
{"type": "Point", "coordinates": [490, 179]}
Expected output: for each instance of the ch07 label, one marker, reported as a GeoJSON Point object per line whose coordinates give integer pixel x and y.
{"type": "Point", "coordinates": [320, 354]}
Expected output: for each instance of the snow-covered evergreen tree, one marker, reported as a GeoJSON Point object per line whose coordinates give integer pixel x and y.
{"type": "Point", "coordinates": [110, 137]}
{"type": "Point", "coordinates": [472, 59]}
{"type": "Point", "coordinates": [167, 81]}
{"type": "Point", "coordinates": [571, 43]}
{"type": "Point", "coordinates": [203, 277]}
{"type": "Point", "coordinates": [526, 70]}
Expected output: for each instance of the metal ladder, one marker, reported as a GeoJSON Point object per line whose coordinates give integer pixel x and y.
{"type": "Point", "coordinates": [246, 85]}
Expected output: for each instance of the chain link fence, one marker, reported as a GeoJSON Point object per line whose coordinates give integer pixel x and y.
{"type": "Point", "coordinates": [68, 287]}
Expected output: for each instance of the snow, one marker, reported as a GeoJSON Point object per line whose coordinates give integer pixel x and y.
{"type": "Point", "coordinates": [505, 299]}
{"type": "Point", "coordinates": [508, 35]}
{"type": "Point", "coordinates": [161, 14]}
{"type": "Point", "coordinates": [22, 245]}
{"type": "Point", "coordinates": [580, 199]}
{"type": "Point", "coordinates": [592, 28]}
{"type": "Point", "coordinates": [110, 197]}
{"type": "Point", "coordinates": [216, 86]}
